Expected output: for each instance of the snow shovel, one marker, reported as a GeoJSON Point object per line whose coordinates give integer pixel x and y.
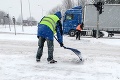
{"type": "Point", "coordinates": [78, 53]}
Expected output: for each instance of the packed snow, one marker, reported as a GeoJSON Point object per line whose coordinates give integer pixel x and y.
{"type": "Point", "coordinates": [18, 62]}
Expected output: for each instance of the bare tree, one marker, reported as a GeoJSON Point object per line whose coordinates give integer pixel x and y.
{"type": "Point", "coordinates": [67, 4]}
{"type": "Point", "coordinates": [19, 20]}
{"type": "Point", "coordinates": [57, 8]}
{"type": "Point", "coordinates": [81, 3]}
{"type": "Point", "coordinates": [4, 18]}
{"type": "Point", "coordinates": [31, 19]}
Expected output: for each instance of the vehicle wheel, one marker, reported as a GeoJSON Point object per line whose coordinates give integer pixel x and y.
{"type": "Point", "coordinates": [72, 33]}
{"type": "Point", "coordinates": [95, 33]}
{"type": "Point", "coordinates": [100, 34]}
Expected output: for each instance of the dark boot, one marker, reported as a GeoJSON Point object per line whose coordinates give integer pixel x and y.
{"type": "Point", "coordinates": [37, 60]}
{"type": "Point", "coordinates": [52, 61]}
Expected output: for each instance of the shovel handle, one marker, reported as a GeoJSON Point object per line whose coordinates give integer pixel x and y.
{"type": "Point", "coordinates": [59, 42]}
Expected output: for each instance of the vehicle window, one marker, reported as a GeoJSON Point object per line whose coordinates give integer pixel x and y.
{"type": "Point", "coordinates": [69, 16]}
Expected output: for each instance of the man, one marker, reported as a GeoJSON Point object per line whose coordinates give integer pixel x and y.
{"type": "Point", "coordinates": [47, 27]}
{"type": "Point", "coordinates": [79, 28]}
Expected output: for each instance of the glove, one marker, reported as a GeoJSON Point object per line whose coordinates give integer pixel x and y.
{"type": "Point", "coordinates": [38, 37]}
{"type": "Point", "coordinates": [61, 44]}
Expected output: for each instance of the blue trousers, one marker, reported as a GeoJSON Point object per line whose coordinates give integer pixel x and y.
{"type": "Point", "coordinates": [40, 48]}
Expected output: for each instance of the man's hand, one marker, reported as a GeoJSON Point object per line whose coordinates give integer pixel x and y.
{"type": "Point", "coordinates": [61, 44]}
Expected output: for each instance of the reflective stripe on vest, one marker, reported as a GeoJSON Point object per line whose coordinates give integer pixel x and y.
{"type": "Point", "coordinates": [50, 21]}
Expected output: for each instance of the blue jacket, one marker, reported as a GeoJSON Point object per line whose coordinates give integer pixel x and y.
{"type": "Point", "coordinates": [45, 32]}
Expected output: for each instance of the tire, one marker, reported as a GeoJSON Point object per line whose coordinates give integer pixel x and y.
{"type": "Point", "coordinates": [101, 34]}
{"type": "Point", "coordinates": [95, 32]}
{"type": "Point", "coordinates": [72, 33]}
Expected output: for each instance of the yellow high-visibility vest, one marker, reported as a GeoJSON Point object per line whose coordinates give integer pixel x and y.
{"type": "Point", "coordinates": [50, 21]}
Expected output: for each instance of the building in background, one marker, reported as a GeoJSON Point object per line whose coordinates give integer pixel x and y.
{"type": "Point", "coordinates": [29, 23]}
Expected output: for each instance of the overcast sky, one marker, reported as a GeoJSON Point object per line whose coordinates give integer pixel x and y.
{"type": "Point", "coordinates": [37, 7]}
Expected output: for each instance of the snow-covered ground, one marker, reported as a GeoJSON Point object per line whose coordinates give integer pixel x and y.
{"type": "Point", "coordinates": [17, 57]}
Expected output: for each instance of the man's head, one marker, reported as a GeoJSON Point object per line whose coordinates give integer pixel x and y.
{"type": "Point", "coordinates": [58, 14]}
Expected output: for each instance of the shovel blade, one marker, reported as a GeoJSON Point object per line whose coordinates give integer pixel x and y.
{"type": "Point", "coordinates": [78, 53]}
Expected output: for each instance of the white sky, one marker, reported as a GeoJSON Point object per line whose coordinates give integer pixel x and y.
{"type": "Point", "coordinates": [13, 7]}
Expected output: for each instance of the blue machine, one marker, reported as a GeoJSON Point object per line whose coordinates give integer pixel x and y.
{"type": "Point", "coordinates": [72, 18]}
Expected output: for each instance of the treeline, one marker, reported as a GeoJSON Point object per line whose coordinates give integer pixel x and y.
{"type": "Point", "coordinates": [67, 4]}
{"type": "Point", "coordinates": [4, 19]}
{"type": "Point", "coordinates": [7, 19]}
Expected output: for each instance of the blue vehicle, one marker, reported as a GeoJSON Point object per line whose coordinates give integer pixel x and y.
{"type": "Point", "coordinates": [72, 18]}
{"type": "Point", "coordinates": [108, 26]}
